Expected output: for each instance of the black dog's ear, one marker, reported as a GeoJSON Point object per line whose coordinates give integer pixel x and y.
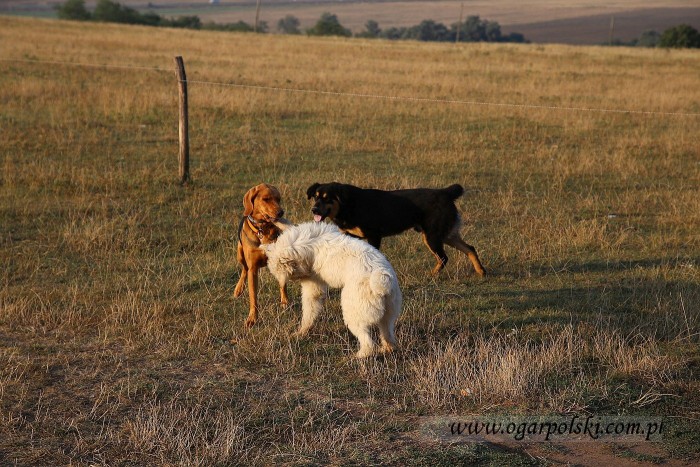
{"type": "Point", "coordinates": [341, 193]}
{"type": "Point", "coordinates": [311, 191]}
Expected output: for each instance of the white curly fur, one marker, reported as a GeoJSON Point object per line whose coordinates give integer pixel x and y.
{"type": "Point", "coordinates": [321, 256]}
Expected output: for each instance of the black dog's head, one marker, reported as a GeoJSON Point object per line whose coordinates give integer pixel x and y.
{"type": "Point", "coordinates": [327, 200]}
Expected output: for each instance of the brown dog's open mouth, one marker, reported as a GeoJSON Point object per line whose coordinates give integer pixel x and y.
{"type": "Point", "coordinates": [318, 217]}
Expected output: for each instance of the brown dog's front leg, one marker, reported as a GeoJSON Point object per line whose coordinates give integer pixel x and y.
{"type": "Point", "coordinates": [253, 294]}
{"type": "Point", "coordinates": [284, 298]}
{"type": "Point", "coordinates": [244, 272]}
{"type": "Point", "coordinates": [241, 283]}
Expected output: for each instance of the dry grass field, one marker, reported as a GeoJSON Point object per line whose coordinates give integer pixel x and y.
{"type": "Point", "coordinates": [121, 343]}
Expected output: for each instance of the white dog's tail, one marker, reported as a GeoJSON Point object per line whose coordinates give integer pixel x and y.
{"type": "Point", "coordinates": [380, 282]}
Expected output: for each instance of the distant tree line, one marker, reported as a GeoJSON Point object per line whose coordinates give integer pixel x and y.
{"type": "Point", "coordinates": [681, 36]}
{"type": "Point", "coordinates": [112, 12]}
{"type": "Point", "coordinates": [473, 29]}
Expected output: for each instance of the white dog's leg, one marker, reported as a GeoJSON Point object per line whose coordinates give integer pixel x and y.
{"type": "Point", "coordinates": [313, 294]}
{"type": "Point", "coordinates": [359, 315]}
{"type": "Point", "coordinates": [386, 333]}
{"type": "Point", "coordinates": [361, 331]}
{"type": "Point", "coordinates": [388, 322]}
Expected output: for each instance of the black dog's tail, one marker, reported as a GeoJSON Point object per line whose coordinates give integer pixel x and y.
{"type": "Point", "coordinates": [454, 191]}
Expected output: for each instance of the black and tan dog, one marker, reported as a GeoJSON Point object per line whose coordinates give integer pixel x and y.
{"type": "Point", "coordinates": [375, 214]}
{"type": "Point", "coordinates": [261, 209]}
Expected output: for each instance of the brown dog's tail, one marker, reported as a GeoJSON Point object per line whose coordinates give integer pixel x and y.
{"type": "Point", "coordinates": [454, 191]}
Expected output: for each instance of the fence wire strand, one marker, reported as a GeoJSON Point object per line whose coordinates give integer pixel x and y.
{"type": "Point", "coordinates": [443, 101]}
{"type": "Point", "coordinates": [85, 65]}
{"type": "Point", "coordinates": [369, 96]}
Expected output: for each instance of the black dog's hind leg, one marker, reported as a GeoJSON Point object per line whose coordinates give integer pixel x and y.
{"type": "Point", "coordinates": [435, 246]}
{"type": "Point", "coordinates": [456, 242]}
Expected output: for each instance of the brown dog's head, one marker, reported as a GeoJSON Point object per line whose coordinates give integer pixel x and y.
{"type": "Point", "coordinates": [327, 200]}
{"type": "Point", "coordinates": [263, 203]}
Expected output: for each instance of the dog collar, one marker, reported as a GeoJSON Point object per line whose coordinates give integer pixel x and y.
{"type": "Point", "coordinates": [252, 220]}
{"type": "Point", "coordinates": [253, 224]}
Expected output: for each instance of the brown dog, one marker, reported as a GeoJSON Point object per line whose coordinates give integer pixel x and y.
{"type": "Point", "coordinates": [261, 208]}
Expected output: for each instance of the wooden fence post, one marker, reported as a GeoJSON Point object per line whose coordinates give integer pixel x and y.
{"type": "Point", "coordinates": [183, 127]}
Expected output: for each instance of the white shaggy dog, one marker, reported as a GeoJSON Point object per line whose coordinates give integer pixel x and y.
{"type": "Point", "coordinates": [321, 256]}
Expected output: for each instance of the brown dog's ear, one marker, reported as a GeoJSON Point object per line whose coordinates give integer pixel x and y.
{"type": "Point", "coordinates": [248, 199]}
{"type": "Point", "coordinates": [274, 190]}
{"type": "Point", "coordinates": [311, 191]}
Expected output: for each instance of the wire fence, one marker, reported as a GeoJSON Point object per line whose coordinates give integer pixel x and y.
{"type": "Point", "coordinates": [322, 92]}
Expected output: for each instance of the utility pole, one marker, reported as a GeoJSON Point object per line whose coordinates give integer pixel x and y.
{"type": "Point", "coordinates": [612, 29]}
{"type": "Point", "coordinates": [257, 16]}
{"type": "Point", "coordinates": [459, 25]}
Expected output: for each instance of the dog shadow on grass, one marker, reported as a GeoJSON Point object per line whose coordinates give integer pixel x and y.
{"type": "Point", "coordinates": [640, 293]}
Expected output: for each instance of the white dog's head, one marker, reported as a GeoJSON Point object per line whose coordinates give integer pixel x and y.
{"type": "Point", "coordinates": [287, 261]}
{"type": "Point", "coordinates": [292, 256]}
{"type": "Point", "coordinates": [281, 262]}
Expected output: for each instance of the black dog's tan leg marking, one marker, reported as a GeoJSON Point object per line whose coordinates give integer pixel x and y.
{"type": "Point", "coordinates": [455, 242]}
{"type": "Point", "coordinates": [355, 231]}
{"type": "Point", "coordinates": [436, 248]}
